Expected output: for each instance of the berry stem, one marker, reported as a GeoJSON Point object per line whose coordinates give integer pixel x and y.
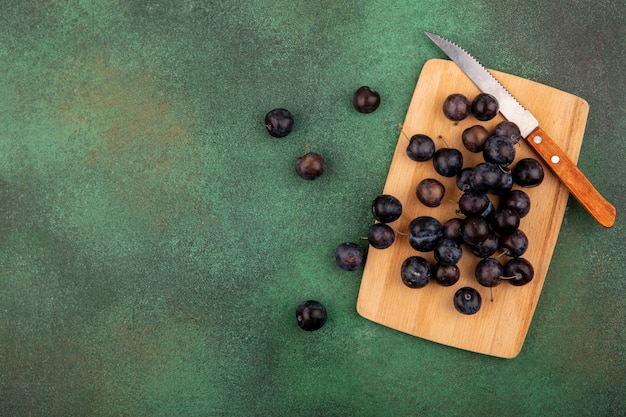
{"type": "Point", "coordinates": [516, 276]}
{"type": "Point", "coordinates": [401, 127]}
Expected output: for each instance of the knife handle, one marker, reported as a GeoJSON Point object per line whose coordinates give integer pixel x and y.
{"type": "Point", "coordinates": [569, 174]}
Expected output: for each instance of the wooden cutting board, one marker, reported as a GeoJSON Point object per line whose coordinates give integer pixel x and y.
{"type": "Point", "coordinates": [500, 326]}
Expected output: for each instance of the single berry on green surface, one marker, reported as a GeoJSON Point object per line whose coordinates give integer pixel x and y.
{"type": "Point", "coordinates": [311, 315]}
{"type": "Point", "coordinates": [279, 122]}
{"type": "Point", "coordinates": [349, 256]}
{"type": "Point", "coordinates": [310, 166]}
{"type": "Point", "coordinates": [365, 100]}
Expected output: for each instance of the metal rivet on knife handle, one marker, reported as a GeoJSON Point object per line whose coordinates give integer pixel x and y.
{"type": "Point", "coordinates": [575, 181]}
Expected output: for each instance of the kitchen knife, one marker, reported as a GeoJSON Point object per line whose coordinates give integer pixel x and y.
{"type": "Point", "coordinates": [554, 157]}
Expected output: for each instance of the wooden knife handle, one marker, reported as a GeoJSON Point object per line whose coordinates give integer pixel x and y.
{"type": "Point", "coordinates": [569, 174]}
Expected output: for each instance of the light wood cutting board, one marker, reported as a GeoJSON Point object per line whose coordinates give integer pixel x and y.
{"type": "Point", "coordinates": [500, 326]}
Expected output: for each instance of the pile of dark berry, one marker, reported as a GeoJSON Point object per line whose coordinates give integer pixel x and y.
{"type": "Point", "coordinates": [489, 230]}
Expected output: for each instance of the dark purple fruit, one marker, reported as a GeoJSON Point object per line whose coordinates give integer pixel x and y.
{"type": "Point", "coordinates": [467, 300]}
{"type": "Point", "coordinates": [484, 107]}
{"type": "Point", "coordinates": [421, 148]}
{"type": "Point", "coordinates": [517, 200]}
{"type": "Point", "coordinates": [474, 230]}
{"type": "Point", "coordinates": [474, 138]}
{"type": "Point", "coordinates": [446, 275]}
{"type": "Point", "coordinates": [430, 192]}
{"type": "Point", "coordinates": [505, 184]}
{"type": "Point", "coordinates": [279, 122]}
{"type": "Point", "coordinates": [349, 256]}
{"type": "Point", "coordinates": [472, 203]}
{"type": "Point", "coordinates": [447, 251]}
{"type": "Point", "coordinates": [508, 130]}
{"type": "Point", "coordinates": [528, 172]}
{"type": "Point", "coordinates": [424, 232]}
{"type": "Point", "coordinates": [448, 162]}
{"type": "Point", "coordinates": [487, 247]}
{"type": "Point", "coordinates": [452, 229]}
{"type": "Point", "coordinates": [515, 244]}
{"type": "Point", "coordinates": [311, 315]}
{"type": "Point", "coordinates": [463, 179]}
{"type": "Point", "coordinates": [489, 272]}
{"type": "Point", "coordinates": [499, 150]}
{"type": "Point", "coordinates": [456, 107]}
{"type": "Point", "coordinates": [365, 100]}
{"type": "Point", "coordinates": [519, 271]}
{"type": "Point", "coordinates": [490, 178]}
{"type": "Point", "coordinates": [380, 235]}
{"type": "Point", "coordinates": [386, 208]}
{"type": "Point", "coordinates": [310, 166]}
{"type": "Point", "coordinates": [415, 272]}
{"type": "Point", "coordinates": [485, 177]}
{"type": "Point", "coordinates": [505, 221]}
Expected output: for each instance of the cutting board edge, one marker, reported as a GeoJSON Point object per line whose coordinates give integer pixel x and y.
{"type": "Point", "coordinates": [515, 351]}
{"type": "Point", "coordinates": [372, 313]}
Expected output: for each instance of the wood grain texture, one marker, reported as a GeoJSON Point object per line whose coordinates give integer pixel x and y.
{"type": "Point", "coordinates": [501, 325]}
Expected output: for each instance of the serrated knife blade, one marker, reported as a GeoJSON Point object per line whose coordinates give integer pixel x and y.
{"type": "Point", "coordinates": [548, 150]}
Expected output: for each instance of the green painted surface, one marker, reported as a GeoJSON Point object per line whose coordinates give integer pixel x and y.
{"type": "Point", "coordinates": [154, 240]}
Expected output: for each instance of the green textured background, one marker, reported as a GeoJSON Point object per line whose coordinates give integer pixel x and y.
{"type": "Point", "coordinates": [154, 240]}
